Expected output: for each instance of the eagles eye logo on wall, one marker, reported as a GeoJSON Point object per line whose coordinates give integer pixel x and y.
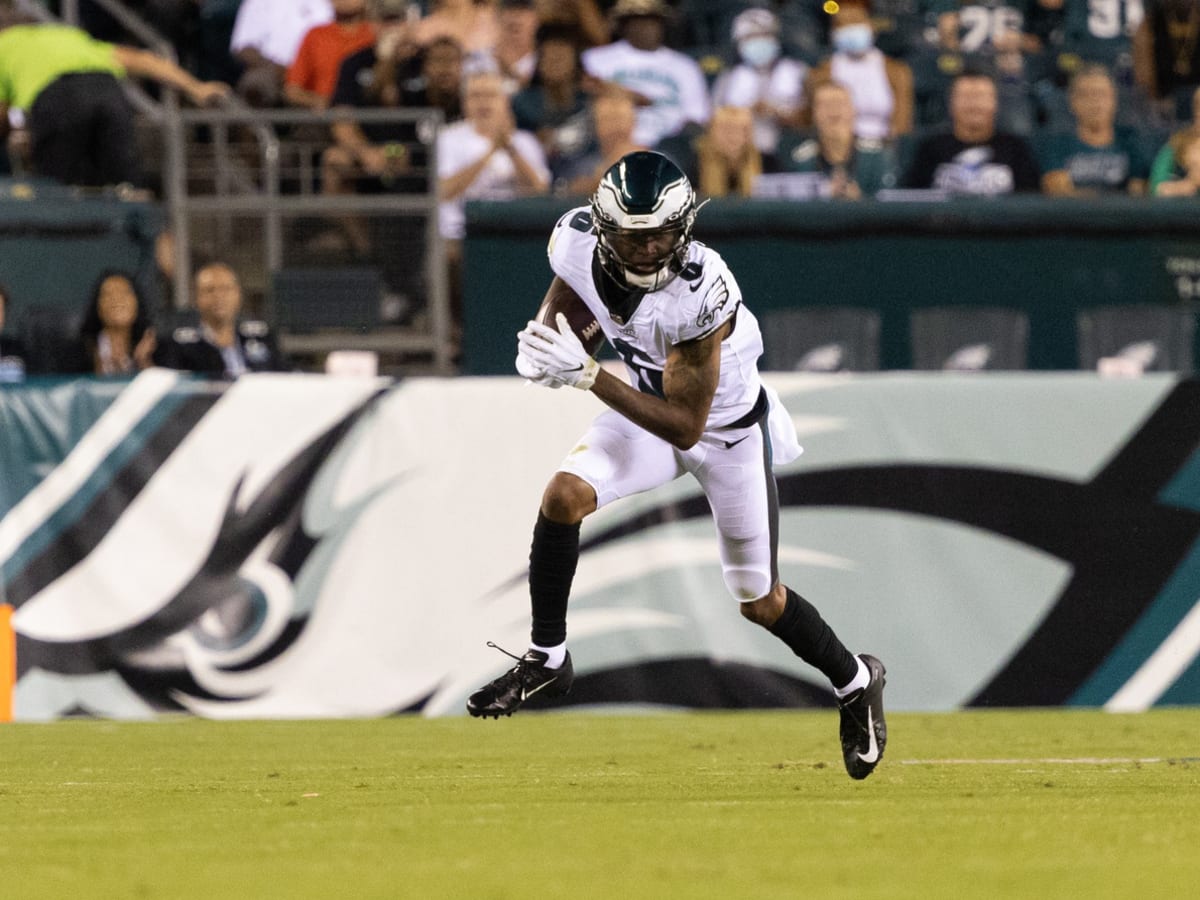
{"type": "Point", "coordinates": [302, 546]}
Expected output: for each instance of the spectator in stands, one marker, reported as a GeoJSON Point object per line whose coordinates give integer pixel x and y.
{"type": "Point", "coordinates": [1166, 54]}
{"type": "Point", "coordinates": [376, 157]}
{"type": "Point", "coordinates": [982, 29]}
{"type": "Point", "coordinates": [517, 51]}
{"type": "Point", "coordinates": [765, 80]}
{"type": "Point", "coordinates": [882, 87]}
{"type": "Point", "coordinates": [671, 82]}
{"type": "Point", "coordinates": [973, 158]}
{"type": "Point", "coordinates": [843, 166]}
{"type": "Point", "coordinates": [1168, 163]}
{"type": "Point", "coordinates": [116, 336]}
{"type": "Point", "coordinates": [398, 61]}
{"type": "Point", "coordinates": [1097, 157]}
{"type": "Point", "coordinates": [613, 118]}
{"type": "Point", "coordinates": [266, 37]}
{"type": "Point", "coordinates": [1004, 38]}
{"type": "Point", "coordinates": [389, 157]}
{"type": "Point", "coordinates": [1187, 183]}
{"type": "Point", "coordinates": [483, 157]}
{"type": "Point", "coordinates": [472, 24]}
{"type": "Point", "coordinates": [723, 160]}
{"type": "Point", "coordinates": [555, 105]}
{"type": "Point", "coordinates": [81, 125]}
{"type": "Point", "coordinates": [12, 350]}
{"type": "Point", "coordinates": [312, 76]}
{"type": "Point", "coordinates": [223, 345]}
{"type": "Point", "coordinates": [1102, 34]}
{"type": "Point", "coordinates": [585, 16]}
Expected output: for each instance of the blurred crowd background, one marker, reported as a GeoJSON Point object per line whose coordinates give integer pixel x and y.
{"type": "Point", "coordinates": [801, 100]}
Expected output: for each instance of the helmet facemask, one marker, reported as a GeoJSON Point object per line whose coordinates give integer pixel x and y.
{"type": "Point", "coordinates": [642, 213]}
{"type": "Point", "coordinates": [643, 258]}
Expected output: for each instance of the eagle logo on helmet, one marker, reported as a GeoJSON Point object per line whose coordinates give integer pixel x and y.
{"type": "Point", "coordinates": [642, 213]}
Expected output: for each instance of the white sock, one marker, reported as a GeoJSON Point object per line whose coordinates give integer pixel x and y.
{"type": "Point", "coordinates": [861, 680]}
{"type": "Point", "coordinates": [556, 655]}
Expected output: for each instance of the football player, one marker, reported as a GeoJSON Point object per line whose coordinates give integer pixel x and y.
{"type": "Point", "coordinates": [673, 311]}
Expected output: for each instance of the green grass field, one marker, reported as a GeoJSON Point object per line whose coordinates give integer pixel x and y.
{"type": "Point", "coordinates": [1043, 804]}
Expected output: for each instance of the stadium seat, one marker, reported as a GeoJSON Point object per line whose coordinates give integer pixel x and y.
{"type": "Point", "coordinates": [51, 336]}
{"type": "Point", "coordinates": [969, 338]}
{"type": "Point", "coordinates": [306, 300]}
{"type": "Point", "coordinates": [821, 339]}
{"type": "Point", "coordinates": [1153, 337]}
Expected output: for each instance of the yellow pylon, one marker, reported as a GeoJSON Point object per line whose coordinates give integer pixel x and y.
{"type": "Point", "coordinates": [8, 662]}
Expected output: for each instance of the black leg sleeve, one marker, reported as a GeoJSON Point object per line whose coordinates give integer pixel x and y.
{"type": "Point", "coordinates": [809, 636]}
{"type": "Point", "coordinates": [552, 561]}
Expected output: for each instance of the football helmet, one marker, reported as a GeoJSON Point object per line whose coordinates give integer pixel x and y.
{"type": "Point", "coordinates": [642, 213]}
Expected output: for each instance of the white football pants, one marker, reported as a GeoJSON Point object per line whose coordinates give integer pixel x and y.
{"type": "Point", "coordinates": [733, 466]}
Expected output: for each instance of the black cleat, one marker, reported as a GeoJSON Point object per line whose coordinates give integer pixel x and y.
{"type": "Point", "coordinates": [863, 729]}
{"type": "Point", "coordinates": [529, 676]}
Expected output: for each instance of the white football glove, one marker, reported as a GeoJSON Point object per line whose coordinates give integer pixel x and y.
{"type": "Point", "coordinates": [559, 353]}
{"type": "Point", "coordinates": [530, 371]}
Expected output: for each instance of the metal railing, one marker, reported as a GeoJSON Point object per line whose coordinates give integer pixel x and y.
{"type": "Point", "coordinates": [230, 164]}
{"type": "Point", "coordinates": [224, 166]}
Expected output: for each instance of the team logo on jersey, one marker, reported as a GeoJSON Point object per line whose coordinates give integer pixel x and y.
{"type": "Point", "coordinates": [714, 302]}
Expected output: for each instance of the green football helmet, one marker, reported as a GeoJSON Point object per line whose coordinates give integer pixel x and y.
{"type": "Point", "coordinates": [643, 212]}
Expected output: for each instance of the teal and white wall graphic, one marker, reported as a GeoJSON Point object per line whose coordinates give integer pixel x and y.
{"type": "Point", "coordinates": [300, 545]}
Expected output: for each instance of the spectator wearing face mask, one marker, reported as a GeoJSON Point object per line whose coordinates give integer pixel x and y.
{"type": "Point", "coordinates": [882, 87]}
{"type": "Point", "coordinates": [770, 84]}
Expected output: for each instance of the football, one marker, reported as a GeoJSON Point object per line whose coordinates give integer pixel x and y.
{"type": "Point", "coordinates": [560, 298]}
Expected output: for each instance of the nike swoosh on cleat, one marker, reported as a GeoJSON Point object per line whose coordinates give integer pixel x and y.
{"type": "Point", "coordinates": [872, 754]}
{"type": "Point", "coordinates": [525, 695]}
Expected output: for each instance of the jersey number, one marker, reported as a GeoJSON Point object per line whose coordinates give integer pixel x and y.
{"type": "Point", "coordinates": [1104, 17]}
{"type": "Point", "coordinates": [980, 25]}
{"type": "Point", "coordinates": [649, 379]}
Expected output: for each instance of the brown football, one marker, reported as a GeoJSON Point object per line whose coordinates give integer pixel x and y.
{"type": "Point", "coordinates": [560, 298]}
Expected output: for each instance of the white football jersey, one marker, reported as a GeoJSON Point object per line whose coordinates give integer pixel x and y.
{"type": "Point", "coordinates": [696, 303]}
